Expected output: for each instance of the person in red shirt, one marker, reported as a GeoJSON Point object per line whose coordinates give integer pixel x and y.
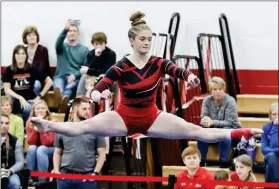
{"type": "Point", "coordinates": [192, 158]}
{"type": "Point", "coordinates": [41, 147]}
{"type": "Point", "coordinates": [243, 171]}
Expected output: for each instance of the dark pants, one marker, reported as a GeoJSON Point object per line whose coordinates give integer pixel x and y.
{"type": "Point", "coordinates": [224, 149]}
{"type": "Point", "coordinates": [223, 146]}
{"type": "Point", "coordinates": [77, 184]}
{"type": "Point", "coordinates": [271, 167]}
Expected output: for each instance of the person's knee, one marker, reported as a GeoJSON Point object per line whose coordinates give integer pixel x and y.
{"type": "Point", "coordinates": [32, 149]}
{"type": "Point", "coordinates": [14, 182]}
{"type": "Point", "coordinates": [270, 156]}
{"type": "Point", "coordinates": [41, 151]}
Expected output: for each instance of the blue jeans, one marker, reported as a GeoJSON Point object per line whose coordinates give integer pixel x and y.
{"type": "Point", "coordinates": [66, 88]}
{"type": "Point", "coordinates": [37, 87]}
{"type": "Point", "coordinates": [223, 146]}
{"type": "Point", "coordinates": [271, 167]}
{"type": "Point", "coordinates": [14, 182]}
{"type": "Point", "coordinates": [78, 184]}
{"type": "Point", "coordinates": [38, 156]}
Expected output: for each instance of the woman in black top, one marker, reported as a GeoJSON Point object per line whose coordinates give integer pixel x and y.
{"type": "Point", "coordinates": [19, 79]}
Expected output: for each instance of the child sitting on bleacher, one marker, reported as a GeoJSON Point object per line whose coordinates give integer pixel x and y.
{"type": "Point", "coordinates": [192, 158]}
{"type": "Point", "coordinates": [222, 175]}
{"type": "Point", "coordinates": [89, 85]}
{"type": "Point", "coordinates": [243, 167]}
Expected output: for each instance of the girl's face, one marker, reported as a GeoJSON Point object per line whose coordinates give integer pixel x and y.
{"type": "Point", "coordinates": [40, 110]}
{"type": "Point", "coordinates": [20, 58]}
{"type": "Point", "coordinates": [142, 42]}
{"type": "Point", "coordinates": [242, 170]}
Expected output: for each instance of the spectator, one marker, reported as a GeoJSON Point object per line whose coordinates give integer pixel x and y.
{"type": "Point", "coordinates": [191, 158]}
{"type": "Point", "coordinates": [224, 176]}
{"type": "Point", "coordinates": [70, 57]}
{"type": "Point", "coordinates": [12, 160]}
{"type": "Point", "coordinates": [219, 110]}
{"type": "Point", "coordinates": [269, 145]}
{"type": "Point", "coordinates": [77, 155]}
{"type": "Point", "coordinates": [99, 60]}
{"type": "Point", "coordinates": [19, 79]}
{"type": "Point", "coordinates": [37, 54]}
{"type": "Point", "coordinates": [41, 147]}
{"type": "Point", "coordinates": [16, 127]}
{"type": "Point", "coordinates": [89, 85]}
{"type": "Point", "coordinates": [243, 170]}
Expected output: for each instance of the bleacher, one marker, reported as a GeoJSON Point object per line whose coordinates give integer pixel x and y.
{"type": "Point", "coordinates": [256, 105]}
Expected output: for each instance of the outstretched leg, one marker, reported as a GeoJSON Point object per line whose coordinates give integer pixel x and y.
{"type": "Point", "coordinates": [104, 124]}
{"type": "Point", "coordinates": [172, 127]}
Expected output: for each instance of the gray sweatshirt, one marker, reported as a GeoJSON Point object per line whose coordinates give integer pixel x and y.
{"type": "Point", "coordinates": [223, 115]}
{"type": "Point", "coordinates": [19, 159]}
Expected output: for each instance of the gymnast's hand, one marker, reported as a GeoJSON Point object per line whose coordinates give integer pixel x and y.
{"type": "Point", "coordinates": [97, 96]}
{"type": "Point", "coordinates": [41, 124]}
{"type": "Point", "coordinates": [106, 94]}
{"type": "Point", "coordinates": [192, 82]}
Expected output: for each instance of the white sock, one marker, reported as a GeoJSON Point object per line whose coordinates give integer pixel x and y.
{"type": "Point", "coordinates": [229, 135]}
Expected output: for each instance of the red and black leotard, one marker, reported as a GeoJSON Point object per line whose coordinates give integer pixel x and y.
{"type": "Point", "coordinates": [138, 89]}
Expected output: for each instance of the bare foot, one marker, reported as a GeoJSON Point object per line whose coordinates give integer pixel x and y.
{"type": "Point", "coordinates": [41, 124]}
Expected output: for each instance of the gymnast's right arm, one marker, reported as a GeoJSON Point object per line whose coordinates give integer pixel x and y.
{"type": "Point", "coordinates": [111, 75]}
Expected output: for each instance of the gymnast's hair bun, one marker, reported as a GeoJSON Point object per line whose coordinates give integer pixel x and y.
{"type": "Point", "coordinates": [136, 18]}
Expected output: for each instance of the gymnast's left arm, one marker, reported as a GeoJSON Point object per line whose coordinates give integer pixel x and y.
{"type": "Point", "coordinates": [168, 67]}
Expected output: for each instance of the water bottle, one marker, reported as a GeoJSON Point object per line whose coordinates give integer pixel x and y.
{"type": "Point", "coordinates": [252, 153]}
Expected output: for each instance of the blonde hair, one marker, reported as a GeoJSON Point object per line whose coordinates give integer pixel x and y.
{"type": "Point", "coordinates": [138, 24]}
{"type": "Point", "coordinates": [216, 80]}
{"type": "Point", "coordinates": [32, 113]}
{"type": "Point", "coordinates": [272, 107]}
{"type": "Point", "coordinates": [5, 99]}
{"type": "Point", "coordinates": [247, 161]}
{"type": "Point", "coordinates": [190, 151]}
{"type": "Point", "coordinates": [90, 79]}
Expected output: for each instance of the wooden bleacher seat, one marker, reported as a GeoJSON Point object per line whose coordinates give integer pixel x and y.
{"type": "Point", "coordinates": [58, 116]}
{"type": "Point", "coordinates": [255, 104]}
{"type": "Point", "coordinates": [253, 122]}
{"type": "Point", "coordinates": [174, 170]}
{"type": "Point", "coordinates": [50, 100]}
{"type": "Point", "coordinates": [259, 155]}
{"type": "Point", "coordinates": [26, 145]}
